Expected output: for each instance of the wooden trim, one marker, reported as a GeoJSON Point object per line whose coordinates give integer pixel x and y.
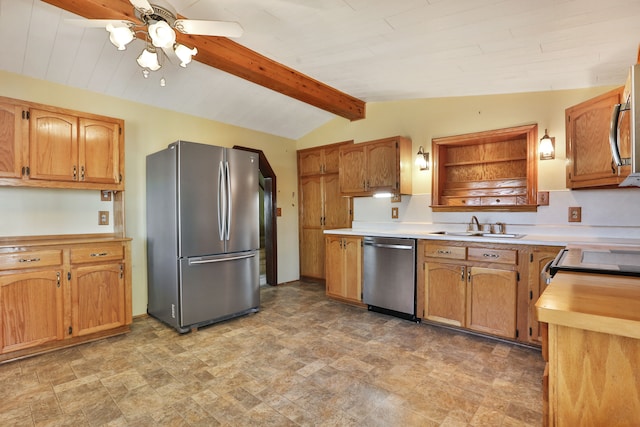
{"type": "Point", "coordinates": [229, 56]}
{"type": "Point", "coordinates": [271, 212]}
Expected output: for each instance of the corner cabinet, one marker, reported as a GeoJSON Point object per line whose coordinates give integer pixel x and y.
{"type": "Point", "coordinates": [378, 166]}
{"type": "Point", "coordinates": [495, 170]}
{"type": "Point", "coordinates": [60, 292]}
{"type": "Point", "coordinates": [321, 206]}
{"type": "Point", "coordinates": [589, 160]}
{"type": "Point", "coordinates": [344, 268]}
{"type": "Point", "coordinates": [44, 146]}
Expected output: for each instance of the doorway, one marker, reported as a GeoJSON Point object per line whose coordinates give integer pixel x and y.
{"type": "Point", "coordinates": [268, 220]}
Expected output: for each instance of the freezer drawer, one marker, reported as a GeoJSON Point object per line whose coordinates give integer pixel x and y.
{"type": "Point", "coordinates": [215, 288]}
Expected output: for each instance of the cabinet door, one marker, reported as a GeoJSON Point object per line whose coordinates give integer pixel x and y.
{"type": "Point", "coordinates": [12, 140]}
{"type": "Point", "coordinates": [352, 268]}
{"type": "Point", "coordinates": [491, 304]}
{"type": "Point", "coordinates": [312, 253]}
{"type": "Point", "coordinates": [331, 159]}
{"type": "Point", "coordinates": [97, 298]}
{"type": "Point", "coordinates": [53, 146]}
{"type": "Point", "coordinates": [310, 162]}
{"type": "Point", "coordinates": [31, 309]}
{"type": "Point", "coordinates": [337, 209]}
{"type": "Point", "coordinates": [99, 151]}
{"type": "Point", "coordinates": [311, 202]}
{"type": "Point", "coordinates": [589, 161]}
{"type": "Point", "coordinates": [445, 293]}
{"type": "Point", "coordinates": [352, 169]}
{"type": "Point", "coordinates": [333, 266]}
{"type": "Point", "coordinates": [382, 166]}
{"type": "Point", "coordinates": [539, 258]}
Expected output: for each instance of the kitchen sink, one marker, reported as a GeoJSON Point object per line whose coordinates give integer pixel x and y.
{"type": "Point", "coordinates": [476, 234]}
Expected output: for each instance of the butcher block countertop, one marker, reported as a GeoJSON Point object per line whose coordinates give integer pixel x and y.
{"type": "Point", "coordinates": [595, 302]}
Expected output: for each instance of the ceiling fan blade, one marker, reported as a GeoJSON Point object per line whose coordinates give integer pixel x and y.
{"type": "Point", "coordinates": [143, 6]}
{"type": "Point", "coordinates": [98, 23]}
{"type": "Point", "coordinates": [209, 28]}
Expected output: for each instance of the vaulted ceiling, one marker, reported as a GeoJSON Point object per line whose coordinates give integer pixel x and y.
{"type": "Point", "coordinates": [302, 62]}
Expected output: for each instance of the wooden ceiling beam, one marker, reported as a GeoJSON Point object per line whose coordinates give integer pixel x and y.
{"type": "Point", "coordinates": [233, 58]}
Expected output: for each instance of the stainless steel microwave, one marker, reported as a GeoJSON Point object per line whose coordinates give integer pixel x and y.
{"type": "Point", "coordinates": [630, 125]}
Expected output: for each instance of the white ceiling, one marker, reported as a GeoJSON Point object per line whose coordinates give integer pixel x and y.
{"type": "Point", "coordinates": [374, 50]}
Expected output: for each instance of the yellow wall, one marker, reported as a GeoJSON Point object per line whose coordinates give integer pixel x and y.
{"type": "Point", "coordinates": [424, 119]}
{"type": "Point", "coordinates": [149, 129]}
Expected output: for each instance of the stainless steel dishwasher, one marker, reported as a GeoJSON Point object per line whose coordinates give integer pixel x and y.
{"type": "Point", "coordinates": [389, 282]}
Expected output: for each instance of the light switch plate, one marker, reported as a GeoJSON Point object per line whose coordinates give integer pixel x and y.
{"type": "Point", "coordinates": [394, 213]}
{"type": "Point", "coordinates": [543, 198]}
{"type": "Point", "coordinates": [575, 214]}
{"type": "Point", "coordinates": [103, 217]}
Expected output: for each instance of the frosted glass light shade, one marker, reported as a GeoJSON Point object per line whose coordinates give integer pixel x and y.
{"type": "Point", "coordinates": [185, 54]}
{"type": "Point", "coordinates": [120, 36]}
{"type": "Point", "coordinates": [149, 59]}
{"type": "Point", "coordinates": [162, 35]}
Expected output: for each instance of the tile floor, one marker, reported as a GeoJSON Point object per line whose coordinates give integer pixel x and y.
{"type": "Point", "coordinates": [303, 360]}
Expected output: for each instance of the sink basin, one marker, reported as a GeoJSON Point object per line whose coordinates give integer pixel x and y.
{"type": "Point", "coordinates": [476, 234]}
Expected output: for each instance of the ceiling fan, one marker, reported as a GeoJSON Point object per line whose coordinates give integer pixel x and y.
{"type": "Point", "coordinates": [161, 22]}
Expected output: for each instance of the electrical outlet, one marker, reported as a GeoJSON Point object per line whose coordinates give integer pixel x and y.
{"type": "Point", "coordinates": [278, 211]}
{"type": "Point", "coordinates": [575, 214]}
{"type": "Point", "coordinates": [103, 217]}
{"type": "Point", "coordinates": [394, 213]}
{"type": "Point", "coordinates": [543, 198]}
{"type": "Point", "coordinates": [105, 195]}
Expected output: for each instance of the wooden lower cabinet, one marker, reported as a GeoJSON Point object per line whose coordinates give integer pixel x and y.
{"type": "Point", "coordinates": [491, 301]}
{"type": "Point", "coordinates": [469, 285]}
{"type": "Point", "coordinates": [31, 309]}
{"type": "Point", "coordinates": [446, 293]}
{"type": "Point", "coordinates": [344, 268]}
{"type": "Point", "coordinates": [56, 294]}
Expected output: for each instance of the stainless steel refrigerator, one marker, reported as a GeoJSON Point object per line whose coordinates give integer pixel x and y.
{"type": "Point", "coordinates": [202, 234]}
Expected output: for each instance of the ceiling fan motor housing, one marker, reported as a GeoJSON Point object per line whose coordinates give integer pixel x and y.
{"type": "Point", "coordinates": [160, 13]}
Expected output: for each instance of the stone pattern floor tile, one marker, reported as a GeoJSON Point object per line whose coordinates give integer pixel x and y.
{"type": "Point", "coordinates": [303, 360]}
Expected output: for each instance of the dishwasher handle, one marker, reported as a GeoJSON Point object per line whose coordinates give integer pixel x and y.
{"type": "Point", "coordinates": [388, 246]}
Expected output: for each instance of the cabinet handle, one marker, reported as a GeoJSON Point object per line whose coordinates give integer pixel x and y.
{"type": "Point", "coordinates": [75, 172]}
{"type": "Point", "coordinates": [100, 254]}
{"type": "Point", "coordinates": [469, 275]}
{"type": "Point", "coordinates": [462, 274]}
{"type": "Point", "coordinates": [443, 252]}
{"type": "Point", "coordinates": [494, 256]}
{"type": "Point", "coordinates": [29, 260]}
{"type": "Point", "coordinates": [82, 173]}
{"type": "Point", "coordinates": [58, 279]}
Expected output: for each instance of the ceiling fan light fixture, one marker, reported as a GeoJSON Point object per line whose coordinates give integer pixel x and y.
{"type": "Point", "coordinates": [120, 36]}
{"type": "Point", "coordinates": [162, 35]}
{"type": "Point", "coordinates": [149, 59]}
{"type": "Point", "coordinates": [184, 54]}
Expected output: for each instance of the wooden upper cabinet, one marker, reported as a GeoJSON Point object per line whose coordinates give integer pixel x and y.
{"type": "Point", "coordinates": [44, 146]}
{"type": "Point", "coordinates": [493, 170]}
{"type": "Point", "coordinates": [99, 153]}
{"type": "Point", "coordinates": [589, 160]}
{"type": "Point", "coordinates": [12, 132]}
{"type": "Point", "coordinates": [319, 160]}
{"type": "Point", "coordinates": [53, 146]}
{"type": "Point", "coordinates": [376, 166]}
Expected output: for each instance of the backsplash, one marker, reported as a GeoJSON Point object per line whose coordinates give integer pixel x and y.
{"type": "Point", "coordinates": [605, 213]}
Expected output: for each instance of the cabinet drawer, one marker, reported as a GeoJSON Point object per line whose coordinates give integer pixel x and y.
{"type": "Point", "coordinates": [499, 201]}
{"type": "Point", "coordinates": [98, 252]}
{"type": "Point", "coordinates": [31, 259]}
{"type": "Point", "coordinates": [462, 201]}
{"type": "Point", "coordinates": [503, 256]}
{"type": "Point", "coordinates": [435, 250]}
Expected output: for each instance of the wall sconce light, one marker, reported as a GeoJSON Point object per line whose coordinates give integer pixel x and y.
{"type": "Point", "coordinates": [422, 159]}
{"type": "Point", "coordinates": [547, 147]}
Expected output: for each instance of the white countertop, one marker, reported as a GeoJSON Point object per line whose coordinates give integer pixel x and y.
{"type": "Point", "coordinates": [526, 239]}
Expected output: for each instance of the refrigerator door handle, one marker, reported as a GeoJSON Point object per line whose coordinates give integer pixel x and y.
{"type": "Point", "coordinates": [221, 202]}
{"type": "Point", "coordinates": [229, 210]}
{"type": "Point", "coordinates": [212, 260]}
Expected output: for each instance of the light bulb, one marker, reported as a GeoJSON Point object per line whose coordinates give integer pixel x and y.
{"type": "Point", "coordinates": [120, 36]}
{"type": "Point", "coordinates": [162, 35]}
{"type": "Point", "coordinates": [149, 59]}
{"type": "Point", "coordinates": [184, 54]}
